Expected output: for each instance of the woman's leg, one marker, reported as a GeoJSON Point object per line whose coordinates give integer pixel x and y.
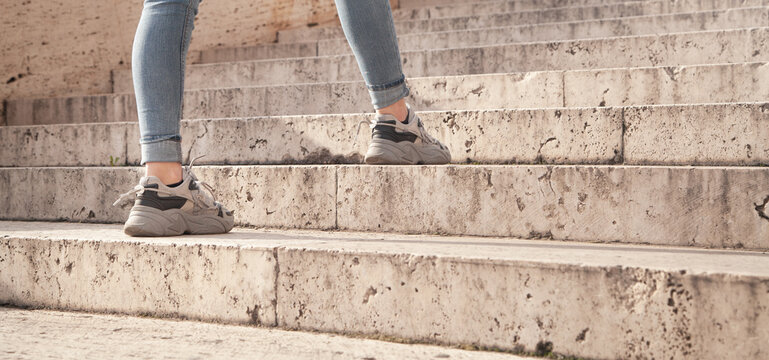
{"type": "Point", "coordinates": [159, 52]}
{"type": "Point", "coordinates": [398, 136]}
{"type": "Point", "coordinates": [368, 26]}
{"type": "Point", "coordinates": [168, 201]}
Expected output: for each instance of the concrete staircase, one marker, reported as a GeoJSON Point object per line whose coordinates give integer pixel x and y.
{"type": "Point", "coordinates": [607, 198]}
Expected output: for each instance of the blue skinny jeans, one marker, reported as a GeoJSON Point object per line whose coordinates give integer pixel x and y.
{"type": "Point", "coordinates": [160, 48]}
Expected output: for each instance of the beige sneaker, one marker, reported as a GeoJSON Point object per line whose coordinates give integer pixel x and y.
{"type": "Point", "coordinates": [160, 210]}
{"type": "Point", "coordinates": [397, 143]}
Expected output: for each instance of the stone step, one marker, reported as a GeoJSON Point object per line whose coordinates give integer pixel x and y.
{"type": "Point", "coordinates": [489, 7]}
{"type": "Point", "coordinates": [722, 83]}
{"type": "Point", "coordinates": [412, 4]}
{"type": "Point", "coordinates": [719, 134]}
{"type": "Point", "coordinates": [678, 49]}
{"type": "Point", "coordinates": [506, 294]}
{"type": "Point", "coordinates": [43, 334]}
{"type": "Point", "coordinates": [497, 19]}
{"type": "Point", "coordinates": [418, 4]}
{"type": "Point", "coordinates": [637, 25]}
{"type": "Point", "coordinates": [720, 207]}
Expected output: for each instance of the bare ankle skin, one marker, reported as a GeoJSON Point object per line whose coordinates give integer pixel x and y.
{"type": "Point", "coordinates": [398, 110]}
{"type": "Point", "coordinates": [167, 172]}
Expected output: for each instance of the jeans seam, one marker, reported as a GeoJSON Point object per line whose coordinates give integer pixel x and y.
{"type": "Point", "coordinates": [182, 56]}
{"type": "Point", "coordinates": [159, 138]}
{"type": "Point", "coordinates": [387, 86]}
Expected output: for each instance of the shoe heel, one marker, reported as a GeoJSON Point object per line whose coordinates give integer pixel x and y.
{"type": "Point", "coordinates": [146, 221]}
{"type": "Point", "coordinates": [385, 152]}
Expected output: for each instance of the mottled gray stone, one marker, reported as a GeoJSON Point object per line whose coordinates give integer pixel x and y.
{"type": "Point", "coordinates": [39, 334]}
{"type": "Point", "coordinates": [507, 136]}
{"type": "Point", "coordinates": [664, 302]}
{"type": "Point", "coordinates": [411, 10]}
{"type": "Point", "coordinates": [68, 110]}
{"type": "Point", "coordinates": [67, 145]}
{"type": "Point", "coordinates": [260, 196]}
{"type": "Point", "coordinates": [707, 47]}
{"type": "Point", "coordinates": [543, 16]}
{"type": "Point", "coordinates": [715, 134]}
{"type": "Point", "coordinates": [599, 28]}
{"type": "Point", "coordinates": [276, 196]}
{"type": "Point", "coordinates": [261, 51]}
{"type": "Point", "coordinates": [712, 207]}
{"type": "Point", "coordinates": [629, 26]}
{"type": "Point", "coordinates": [708, 135]}
{"type": "Point", "coordinates": [583, 88]}
{"type": "Point", "coordinates": [727, 83]}
{"type": "Point", "coordinates": [481, 299]}
{"type": "Point", "coordinates": [182, 279]}
{"type": "Point", "coordinates": [70, 193]}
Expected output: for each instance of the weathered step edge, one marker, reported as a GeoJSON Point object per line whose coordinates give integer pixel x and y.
{"type": "Point", "coordinates": [508, 294]}
{"type": "Point", "coordinates": [628, 26]}
{"type": "Point", "coordinates": [590, 29]}
{"type": "Point", "coordinates": [534, 17]}
{"type": "Point", "coordinates": [697, 84]}
{"type": "Point", "coordinates": [446, 10]}
{"type": "Point", "coordinates": [709, 134]}
{"type": "Point", "coordinates": [676, 49]}
{"type": "Point", "coordinates": [704, 207]}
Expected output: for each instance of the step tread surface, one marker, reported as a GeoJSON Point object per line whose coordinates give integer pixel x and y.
{"type": "Point", "coordinates": [719, 207]}
{"type": "Point", "coordinates": [37, 334]}
{"type": "Point", "coordinates": [672, 49]}
{"type": "Point", "coordinates": [694, 84]}
{"type": "Point", "coordinates": [472, 249]}
{"type": "Point", "coordinates": [501, 293]}
{"type": "Point", "coordinates": [707, 134]}
{"type": "Point", "coordinates": [495, 19]}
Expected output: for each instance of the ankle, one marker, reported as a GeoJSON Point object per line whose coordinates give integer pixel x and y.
{"type": "Point", "coordinates": [167, 172]}
{"type": "Point", "coordinates": [399, 110]}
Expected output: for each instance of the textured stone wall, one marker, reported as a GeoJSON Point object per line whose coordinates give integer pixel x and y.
{"type": "Point", "coordinates": [68, 47]}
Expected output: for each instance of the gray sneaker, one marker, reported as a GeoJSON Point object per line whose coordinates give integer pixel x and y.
{"type": "Point", "coordinates": [396, 143]}
{"type": "Point", "coordinates": [160, 210]}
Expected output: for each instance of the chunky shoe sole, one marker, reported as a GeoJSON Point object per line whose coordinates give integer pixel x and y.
{"type": "Point", "coordinates": [387, 152]}
{"type": "Point", "coordinates": [148, 221]}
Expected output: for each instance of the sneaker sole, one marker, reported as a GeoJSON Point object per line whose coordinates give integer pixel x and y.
{"type": "Point", "coordinates": [386, 152]}
{"type": "Point", "coordinates": [148, 221]}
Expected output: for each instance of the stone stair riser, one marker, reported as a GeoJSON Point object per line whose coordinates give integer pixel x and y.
{"type": "Point", "coordinates": [727, 134]}
{"type": "Point", "coordinates": [711, 207]}
{"type": "Point", "coordinates": [712, 47]}
{"type": "Point", "coordinates": [445, 299]}
{"type": "Point", "coordinates": [567, 111]}
{"type": "Point", "coordinates": [583, 136]}
{"type": "Point", "coordinates": [528, 17]}
{"type": "Point", "coordinates": [644, 25]}
{"type": "Point", "coordinates": [640, 25]}
{"type": "Point", "coordinates": [262, 51]}
{"type": "Point", "coordinates": [609, 87]}
{"type": "Point", "coordinates": [490, 7]}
